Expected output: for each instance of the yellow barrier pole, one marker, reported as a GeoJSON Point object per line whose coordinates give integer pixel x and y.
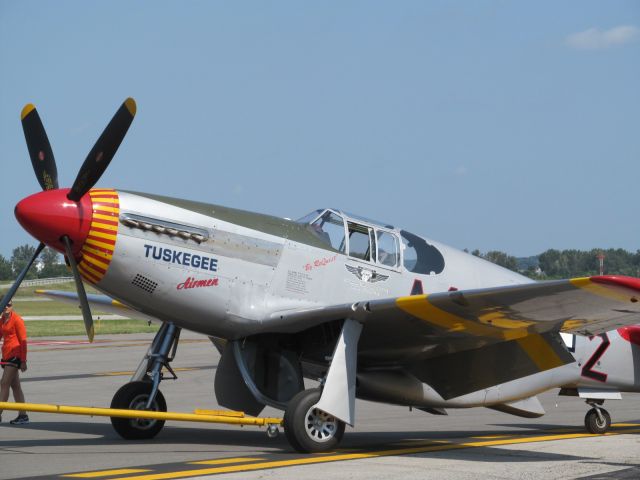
{"type": "Point", "coordinates": [121, 413]}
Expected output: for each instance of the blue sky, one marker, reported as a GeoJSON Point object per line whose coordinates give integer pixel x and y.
{"type": "Point", "coordinates": [490, 125]}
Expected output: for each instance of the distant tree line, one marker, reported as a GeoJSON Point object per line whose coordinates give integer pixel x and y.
{"type": "Point", "coordinates": [499, 258]}
{"type": "Point", "coordinates": [576, 263]}
{"type": "Point", "coordinates": [553, 264]}
{"type": "Point", "coordinates": [548, 265]}
{"type": "Point", "coordinates": [49, 264]}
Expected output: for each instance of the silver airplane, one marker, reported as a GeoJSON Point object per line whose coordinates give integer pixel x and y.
{"type": "Point", "coordinates": [366, 308]}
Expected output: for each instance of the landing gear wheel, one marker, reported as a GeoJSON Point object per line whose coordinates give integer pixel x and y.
{"type": "Point", "coordinates": [594, 424]}
{"type": "Point", "coordinates": [134, 396]}
{"type": "Point", "coordinates": [309, 429]}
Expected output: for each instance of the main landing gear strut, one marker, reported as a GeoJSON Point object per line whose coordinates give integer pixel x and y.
{"type": "Point", "coordinates": [597, 420]}
{"type": "Point", "coordinates": [142, 392]}
{"type": "Point", "coordinates": [314, 420]}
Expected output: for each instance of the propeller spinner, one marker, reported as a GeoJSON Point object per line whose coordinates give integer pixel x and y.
{"type": "Point", "coordinates": [60, 218]}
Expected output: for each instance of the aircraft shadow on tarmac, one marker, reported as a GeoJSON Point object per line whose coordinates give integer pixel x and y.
{"type": "Point", "coordinates": [628, 471]}
{"type": "Point", "coordinates": [354, 442]}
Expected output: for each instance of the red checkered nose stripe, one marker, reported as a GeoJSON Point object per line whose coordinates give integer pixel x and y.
{"type": "Point", "coordinates": [100, 243]}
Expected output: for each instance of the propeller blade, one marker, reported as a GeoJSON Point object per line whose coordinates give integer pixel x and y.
{"type": "Point", "coordinates": [103, 151]}
{"type": "Point", "coordinates": [14, 288]}
{"type": "Point", "coordinates": [82, 294]}
{"type": "Point", "coordinates": [39, 148]}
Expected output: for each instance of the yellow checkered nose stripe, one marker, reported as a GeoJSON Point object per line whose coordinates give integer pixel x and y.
{"type": "Point", "coordinates": [100, 244]}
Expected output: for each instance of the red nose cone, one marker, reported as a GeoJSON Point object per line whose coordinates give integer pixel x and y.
{"type": "Point", "coordinates": [50, 214]}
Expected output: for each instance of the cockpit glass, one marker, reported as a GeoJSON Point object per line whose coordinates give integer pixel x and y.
{"type": "Point", "coordinates": [360, 239]}
{"type": "Point", "coordinates": [388, 249]}
{"type": "Point", "coordinates": [419, 256]}
{"type": "Point", "coordinates": [330, 229]}
{"type": "Point", "coordinates": [309, 217]}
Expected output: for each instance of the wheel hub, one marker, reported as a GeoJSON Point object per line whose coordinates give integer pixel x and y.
{"type": "Point", "coordinates": [319, 425]}
{"type": "Point", "coordinates": [140, 403]}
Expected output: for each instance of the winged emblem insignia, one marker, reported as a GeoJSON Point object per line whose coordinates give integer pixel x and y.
{"type": "Point", "coordinates": [366, 275]}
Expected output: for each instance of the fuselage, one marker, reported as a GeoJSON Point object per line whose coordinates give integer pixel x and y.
{"type": "Point", "coordinates": [609, 361]}
{"type": "Point", "coordinates": [224, 272]}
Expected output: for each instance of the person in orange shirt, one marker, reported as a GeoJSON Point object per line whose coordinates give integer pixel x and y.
{"type": "Point", "coordinates": [14, 359]}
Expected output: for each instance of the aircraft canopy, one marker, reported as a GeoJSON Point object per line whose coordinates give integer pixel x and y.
{"type": "Point", "coordinates": [375, 242]}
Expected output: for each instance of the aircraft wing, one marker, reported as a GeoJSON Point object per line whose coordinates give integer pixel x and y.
{"type": "Point", "coordinates": [463, 341]}
{"type": "Point", "coordinates": [527, 316]}
{"type": "Point", "coordinates": [587, 306]}
{"type": "Point", "coordinates": [102, 303]}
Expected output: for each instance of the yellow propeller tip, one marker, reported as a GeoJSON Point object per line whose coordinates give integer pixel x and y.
{"type": "Point", "coordinates": [27, 110]}
{"type": "Point", "coordinates": [90, 334]}
{"type": "Point", "coordinates": [130, 103]}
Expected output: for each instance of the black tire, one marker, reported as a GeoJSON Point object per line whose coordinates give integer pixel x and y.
{"type": "Point", "coordinates": [303, 433]}
{"type": "Point", "coordinates": [134, 396]}
{"type": "Point", "coordinates": [593, 424]}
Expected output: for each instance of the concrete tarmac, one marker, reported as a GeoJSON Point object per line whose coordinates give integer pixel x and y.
{"type": "Point", "coordinates": [388, 441]}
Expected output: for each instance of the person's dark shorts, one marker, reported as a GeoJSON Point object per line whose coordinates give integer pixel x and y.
{"type": "Point", "coordinates": [13, 361]}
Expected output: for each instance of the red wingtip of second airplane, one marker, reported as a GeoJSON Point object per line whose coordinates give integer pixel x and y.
{"type": "Point", "coordinates": [619, 280]}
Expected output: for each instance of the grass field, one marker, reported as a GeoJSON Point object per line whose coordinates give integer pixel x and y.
{"type": "Point", "coordinates": [67, 287]}
{"type": "Point", "coordinates": [26, 304]}
{"type": "Point", "coordinates": [52, 328]}
{"type": "Point", "coordinates": [30, 308]}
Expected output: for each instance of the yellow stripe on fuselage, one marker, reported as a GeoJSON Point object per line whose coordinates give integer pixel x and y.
{"type": "Point", "coordinates": [96, 243]}
{"type": "Point", "coordinates": [104, 233]}
{"type": "Point", "coordinates": [88, 268]}
{"type": "Point", "coordinates": [101, 253]}
{"type": "Point", "coordinates": [86, 274]}
{"type": "Point", "coordinates": [107, 236]}
{"type": "Point", "coordinates": [104, 226]}
{"type": "Point", "coordinates": [111, 218]}
{"type": "Point", "coordinates": [104, 208]}
{"type": "Point", "coordinates": [107, 200]}
{"type": "Point", "coordinates": [97, 262]}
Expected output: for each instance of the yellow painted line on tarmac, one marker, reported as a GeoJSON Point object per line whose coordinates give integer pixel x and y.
{"type": "Point", "coordinates": [561, 430]}
{"type": "Point", "coordinates": [224, 461]}
{"type": "Point", "coordinates": [613, 425]}
{"type": "Point", "coordinates": [310, 460]}
{"type": "Point", "coordinates": [416, 442]}
{"type": "Point", "coordinates": [107, 473]}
